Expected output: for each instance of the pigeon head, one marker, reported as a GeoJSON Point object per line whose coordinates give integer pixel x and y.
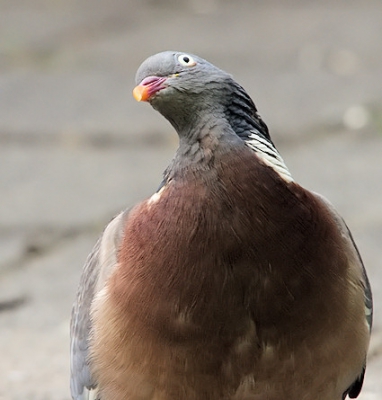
{"type": "Point", "coordinates": [191, 92]}
{"type": "Point", "coordinates": [173, 75]}
{"type": "Point", "coordinates": [181, 86]}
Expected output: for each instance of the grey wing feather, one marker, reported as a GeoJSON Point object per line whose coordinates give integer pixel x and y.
{"type": "Point", "coordinates": [365, 282]}
{"type": "Point", "coordinates": [80, 327]}
{"type": "Point", "coordinates": [98, 267]}
{"type": "Point", "coordinates": [354, 390]}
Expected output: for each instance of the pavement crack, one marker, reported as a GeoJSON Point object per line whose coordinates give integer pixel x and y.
{"type": "Point", "coordinates": [42, 240]}
{"type": "Point", "coordinates": [13, 304]}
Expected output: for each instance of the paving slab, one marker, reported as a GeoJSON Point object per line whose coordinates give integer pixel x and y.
{"type": "Point", "coordinates": [35, 336]}
{"type": "Point", "coordinates": [67, 187]}
{"type": "Point", "coordinates": [68, 67]}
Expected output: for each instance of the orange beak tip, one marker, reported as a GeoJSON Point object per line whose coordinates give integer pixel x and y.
{"type": "Point", "coordinates": [140, 93]}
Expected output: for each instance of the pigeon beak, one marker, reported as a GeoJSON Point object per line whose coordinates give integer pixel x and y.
{"type": "Point", "coordinates": [148, 87]}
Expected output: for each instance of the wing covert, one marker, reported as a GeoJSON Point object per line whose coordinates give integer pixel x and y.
{"type": "Point", "coordinates": [355, 388]}
{"type": "Point", "coordinates": [98, 267]}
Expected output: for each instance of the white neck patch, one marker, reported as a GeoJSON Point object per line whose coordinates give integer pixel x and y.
{"type": "Point", "coordinates": [267, 152]}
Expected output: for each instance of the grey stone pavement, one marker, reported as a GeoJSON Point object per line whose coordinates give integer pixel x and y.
{"type": "Point", "coordinates": [75, 148]}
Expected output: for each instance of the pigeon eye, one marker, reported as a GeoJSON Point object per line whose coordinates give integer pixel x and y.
{"type": "Point", "coordinates": [186, 60]}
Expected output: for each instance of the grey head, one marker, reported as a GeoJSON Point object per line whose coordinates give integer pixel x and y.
{"type": "Point", "coordinates": [190, 92]}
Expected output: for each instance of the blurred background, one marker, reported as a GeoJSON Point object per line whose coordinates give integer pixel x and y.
{"type": "Point", "coordinates": [75, 148]}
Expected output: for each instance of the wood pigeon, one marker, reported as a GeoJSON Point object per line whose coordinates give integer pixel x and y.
{"type": "Point", "coordinates": [232, 281]}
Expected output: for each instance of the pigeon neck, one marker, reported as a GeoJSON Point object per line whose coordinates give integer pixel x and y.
{"type": "Point", "coordinates": [201, 144]}
{"type": "Point", "coordinates": [241, 113]}
{"type": "Point", "coordinates": [205, 135]}
{"type": "Point", "coordinates": [229, 107]}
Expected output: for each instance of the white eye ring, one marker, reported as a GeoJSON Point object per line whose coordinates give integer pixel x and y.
{"type": "Point", "coordinates": [186, 60]}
